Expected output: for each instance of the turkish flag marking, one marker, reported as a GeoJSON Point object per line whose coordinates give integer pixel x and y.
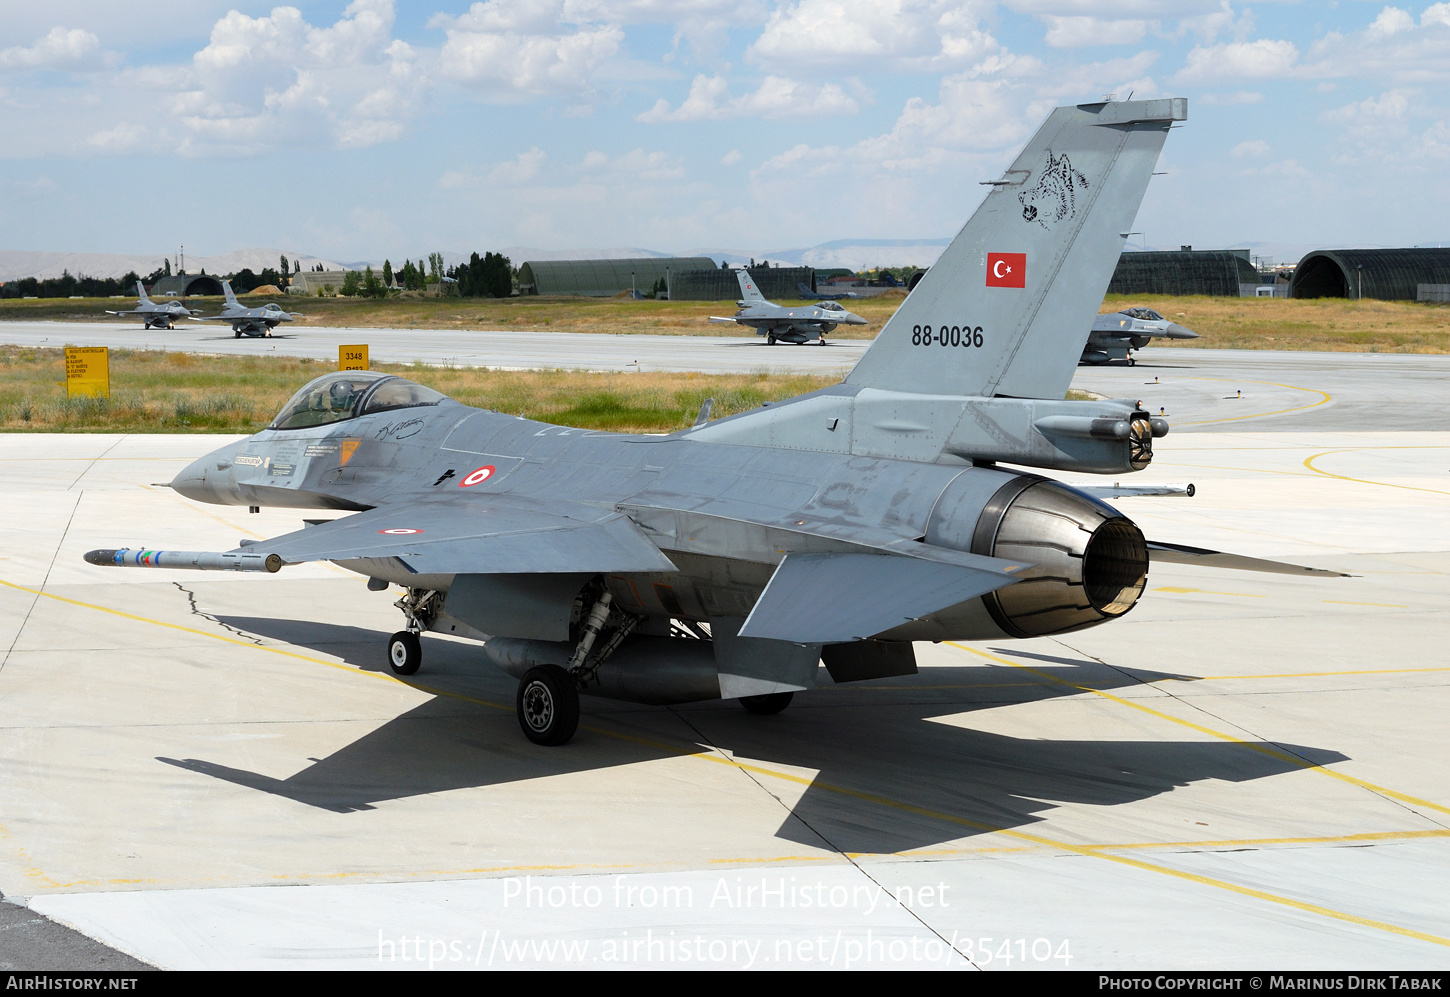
{"type": "Point", "coordinates": [1006, 269]}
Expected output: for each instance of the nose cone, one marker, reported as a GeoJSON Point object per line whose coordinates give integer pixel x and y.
{"type": "Point", "coordinates": [853, 319]}
{"type": "Point", "coordinates": [210, 478]}
{"type": "Point", "coordinates": [1176, 331]}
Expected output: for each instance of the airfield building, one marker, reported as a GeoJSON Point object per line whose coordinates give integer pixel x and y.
{"type": "Point", "coordinates": [604, 278]}
{"type": "Point", "coordinates": [1218, 272]}
{"type": "Point", "coordinates": [714, 284]}
{"type": "Point", "coordinates": [1383, 274]}
{"type": "Point", "coordinates": [329, 282]}
{"type": "Point", "coordinates": [184, 285]}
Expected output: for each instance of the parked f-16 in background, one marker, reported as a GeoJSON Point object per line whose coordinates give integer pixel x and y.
{"type": "Point", "coordinates": [1115, 336]}
{"type": "Point", "coordinates": [157, 316]}
{"type": "Point", "coordinates": [249, 321]}
{"type": "Point", "coordinates": [809, 295]}
{"type": "Point", "coordinates": [728, 560]}
{"type": "Point", "coordinates": [786, 325]}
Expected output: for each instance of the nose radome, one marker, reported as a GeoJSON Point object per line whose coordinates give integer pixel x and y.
{"type": "Point", "coordinates": [1176, 331]}
{"type": "Point", "coordinates": [208, 478]}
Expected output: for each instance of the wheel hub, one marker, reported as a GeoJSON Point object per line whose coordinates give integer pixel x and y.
{"type": "Point", "coordinates": [538, 706]}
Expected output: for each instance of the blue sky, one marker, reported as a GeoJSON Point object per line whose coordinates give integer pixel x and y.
{"type": "Point", "coordinates": [388, 127]}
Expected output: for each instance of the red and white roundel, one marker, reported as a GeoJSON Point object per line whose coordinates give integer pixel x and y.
{"type": "Point", "coordinates": [482, 474]}
{"type": "Point", "coordinates": [400, 531]}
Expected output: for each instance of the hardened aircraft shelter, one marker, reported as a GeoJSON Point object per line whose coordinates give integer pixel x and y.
{"type": "Point", "coordinates": [604, 278]}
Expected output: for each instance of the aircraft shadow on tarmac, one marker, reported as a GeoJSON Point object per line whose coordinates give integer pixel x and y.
{"type": "Point", "coordinates": [911, 783]}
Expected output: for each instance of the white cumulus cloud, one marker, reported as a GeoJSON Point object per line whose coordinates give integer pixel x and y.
{"type": "Point", "coordinates": [873, 35]}
{"type": "Point", "coordinates": [513, 48]}
{"type": "Point", "coordinates": [777, 97]}
{"type": "Point", "coordinates": [275, 81]}
{"type": "Point", "coordinates": [60, 49]}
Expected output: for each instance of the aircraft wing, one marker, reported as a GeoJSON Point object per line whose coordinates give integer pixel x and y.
{"type": "Point", "coordinates": [838, 597]}
{"type": "Point", "coordinates": [495, 536]}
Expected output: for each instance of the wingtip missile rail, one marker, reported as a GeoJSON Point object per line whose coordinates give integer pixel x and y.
{"type": "Point", "coordinates": [201, 560]}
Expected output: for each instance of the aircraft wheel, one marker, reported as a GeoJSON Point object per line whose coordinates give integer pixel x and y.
{"type": "Point", "coordinates": [237, 333]}
{"type": "Point", "coordinates": [1132, 362]}
{"type": "Point", "coordinates": [770, 338]}
{"type": "Point", "coordinates": [405, 653]}
{"type": "Point", "coordinates": [767, 705]}
{"type": "Point", "coordinates": [548, 705]}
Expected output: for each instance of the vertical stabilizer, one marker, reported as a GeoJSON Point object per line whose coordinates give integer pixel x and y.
{"type": "Point", "coordinates": [141, 291]}
{"type": "Point", "coordinates": [749, 293]}
{"type": "Point", "coordinates": [231, 298]}
{"type": "Point", "coordinates": [1006, 308]}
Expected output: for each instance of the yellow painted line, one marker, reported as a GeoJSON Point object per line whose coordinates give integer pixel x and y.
{"type": "Point", "coordinates": [1095, 852]}
{"type": "Point", "coordinates": [1309, 463]}
{"type": "Point", "coordinates": [340, 666]}
{"type": "Point", "coordinates": [1180, 591]}
{"type": "Point", "coordinates": [1308, 675]}
{"type": "Point", "coordinates": [1222, 736]}
{"type": "Point", "coordinates": [1259, 415]}
{"type": "Point", "coordinates": [1346, 602]}
{"type": "Point", "coordinates": [720, 759]}
{"type": "Point", "coordinates": [1331, 839]}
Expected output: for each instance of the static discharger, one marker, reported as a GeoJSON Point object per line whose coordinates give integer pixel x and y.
{"type": "Point", "coordinates": [199, 559]}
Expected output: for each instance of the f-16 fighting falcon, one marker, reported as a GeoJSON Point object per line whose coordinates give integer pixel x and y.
{"type": "Point", "coordinates": [787, 325]}
{"type": "Point", "coordinates": [250, 321]}
{"type": "Point", "coordinates": [729, 559]}
{"type": "Point", "coordinates": [1116, 336]}
{"type": "Point", "coordinates": [157, 316]}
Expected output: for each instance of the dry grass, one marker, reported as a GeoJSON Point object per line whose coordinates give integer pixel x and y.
{"type": "Point", "coordinates": [412, 311]}
{"type": "Point", "coordinates": [1237, 323]}
{"type": "Point", "coordinates": [1309, 324]}
{"type": "Point", "coordinates": [155, 392]}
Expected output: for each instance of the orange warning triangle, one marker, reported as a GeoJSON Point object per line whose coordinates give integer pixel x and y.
{"type": "Point", "coordinates": [348, 446]}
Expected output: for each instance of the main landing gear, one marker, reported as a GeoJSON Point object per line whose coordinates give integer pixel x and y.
{"type": "Point", "coordinates": [548, 698]}
{"type": "Point", "coordinates": [547, 701]}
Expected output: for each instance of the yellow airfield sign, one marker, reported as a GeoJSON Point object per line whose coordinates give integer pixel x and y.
{"type": "Point", "coordinates": [88, 371]}
{"type": "Point", "coordinates": [352, 357]}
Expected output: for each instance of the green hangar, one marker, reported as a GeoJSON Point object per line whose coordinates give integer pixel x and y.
{"type": "Point", "coordinates": [1383, 274]}
{"type": "Point", "coordinates": [604, 278]}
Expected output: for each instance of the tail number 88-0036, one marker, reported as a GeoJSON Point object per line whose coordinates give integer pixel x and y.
{"type": "Point", "coordinates": [947, 335]}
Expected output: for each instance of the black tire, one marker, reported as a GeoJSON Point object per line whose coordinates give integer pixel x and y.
{"type": "Point", "coordinates": [548, 705]}
{"type": "Point", "coordinates": [237, 333]}
{"type": "Point", "coordinates": [405, 653]}
{"type": "Point", "coordinates": [768, 705]}
{"type": "Point", "coordinates": [770, 339]}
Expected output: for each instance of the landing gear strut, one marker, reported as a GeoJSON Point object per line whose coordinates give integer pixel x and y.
{"type": "Point", "coordinates": [405, 651]}
{"type": "Point", "coordinates": [548, 696]}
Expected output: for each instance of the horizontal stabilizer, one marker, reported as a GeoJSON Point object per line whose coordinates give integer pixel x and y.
{"type": "Point", "coordinates": [494, 535]}
{"type": "Point", "coordinates": [1159, 552]}
{"type": "Point", "coordinates": [837, 597]}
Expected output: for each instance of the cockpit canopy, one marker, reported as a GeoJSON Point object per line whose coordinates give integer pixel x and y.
{"type": "Point", "coordinates": [831, 306]}
{"type": "Point", "coordinates": [348, 393]}
{"type": "Point", "coordinates": [1143, 314]}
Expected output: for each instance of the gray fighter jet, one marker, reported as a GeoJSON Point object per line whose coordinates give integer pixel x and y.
{"type": "Point", "coordinates": [249, 321]}
{"type": "Point", "coordinates": [157, 316]}
{"type": "Point", "coordinates": [786, 325]}
{"type": "Point", "coordinates": [1115, 336]}
{"type": "Point", "coordinates": [729, 559]}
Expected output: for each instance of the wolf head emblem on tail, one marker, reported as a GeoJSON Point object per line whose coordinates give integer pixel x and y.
{"type": "Point", "coordinates": [1054, 197]}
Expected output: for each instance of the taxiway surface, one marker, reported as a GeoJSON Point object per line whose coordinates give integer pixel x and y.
{"type": "Point", "coordinates": [1248, 770]}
